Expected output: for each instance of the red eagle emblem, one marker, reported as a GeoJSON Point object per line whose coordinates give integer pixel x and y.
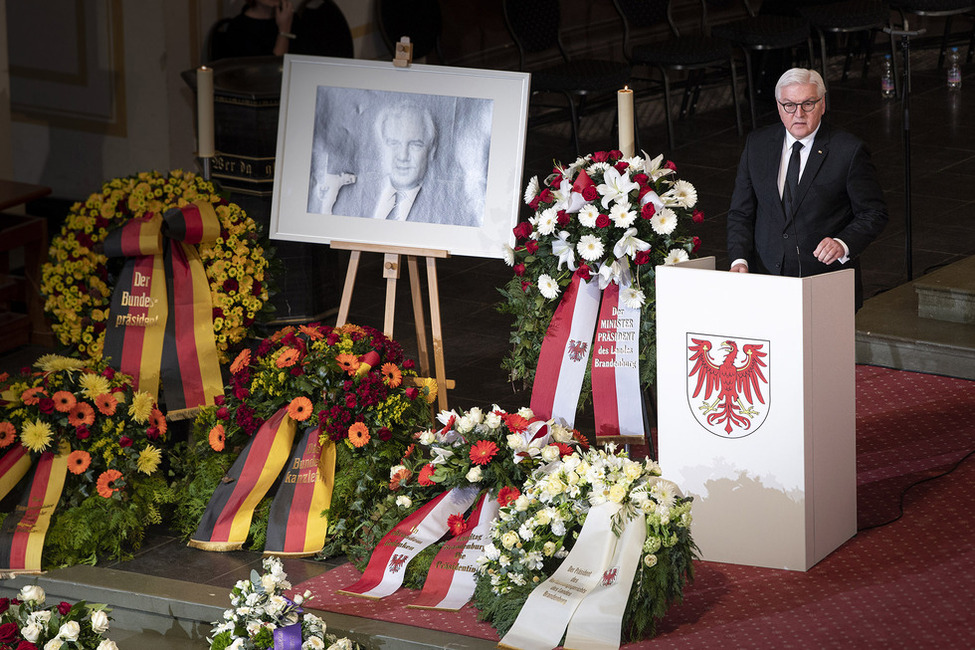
{"type": "Point", "coordinates": [396, 563]}
{"type": "Point", "coordinates": [609, 576]}
{"type": "Point", "coordinates": [738, 387]}
{"type": "Point", "coordinates": [577, 350]}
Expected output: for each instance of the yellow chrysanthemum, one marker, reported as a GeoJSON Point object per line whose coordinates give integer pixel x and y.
{"type": "Point", "coordinates": [36, 435]}
{"type": "Point", "coordinates": [141, 407]}
{"type": "Point", "coordinates": [57, 363]}
{"type": "Point", "coordinates": [149, 459]}
{"type": "Point", "coordinates": [93, 385]}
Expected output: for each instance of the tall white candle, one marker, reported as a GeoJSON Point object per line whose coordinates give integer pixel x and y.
{"type": "Point", "coordinates": [624, 100]}
{"type": "Point", "coordinates": [204, 112]}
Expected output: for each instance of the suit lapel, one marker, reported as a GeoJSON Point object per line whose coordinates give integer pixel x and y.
{"type": "Point", "coordinates": [820, 149]}
{"type": "Point", "coordinates": [773, 159]}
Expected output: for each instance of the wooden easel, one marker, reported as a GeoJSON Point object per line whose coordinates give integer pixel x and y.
{"type": "Point", "coordinates": [391, 271]}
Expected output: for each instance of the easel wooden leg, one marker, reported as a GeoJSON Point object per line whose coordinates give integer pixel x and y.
{"type": "Point", "coordinates": [441, 369]}
{"type": "Point", "coordinates": [391, 273]}
{"type": "Point", "coordinates": [346, 301]}
{"type": "Point", "coordinates": [423, 352]}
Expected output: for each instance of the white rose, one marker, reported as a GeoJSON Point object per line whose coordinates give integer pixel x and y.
{"type": "Point", "coordinates": [526, 413]}
{"type": "Point", "coordinates": [465, 424]}
{"type": "Point", "coordinates": [253, 627]}
{"type": "Point", "coordinates": [70, 631]}
{"type": "Point", "coordinates": [395, 469]}
{"type": "Point", "coordinates": [427, 437]}
{"type": "Point", "coordinates": [543, 517]}
{"type": "Point", "coordinates": [99, 621]}
{"type": "Point", "coordinates": [40, 617]}
{"type": "Point", "coordinates": [522, 503]}
{"type": "Point", "coordinates": [53, 644]}
{"type": "Point", "coordinates": [476, 415]}
{"type": "Point", "coordinates": [550, 453]}
{"type": "Point", "coordinates": [617, 493]}
{"type": "Point", "coordinates": [108, 644]}
{"type": "Point", "coordinates": [633, 470]}
{"type": "Point", "coordinates": [474, 475]}
{"type": "Point", "coordinates": [32, 594]}
{"type": "Point", "coordinates": [493, 420]}
{"type": "Point", "coordinates": [516, 442]}
{"type": "Point", "coordinates": [509, 539]}
{"type": "Point", "coordinates": [549, 549]}
{"type": "Point", "coordinates": [31, 632]}
{"type": "Point", "coordinates": [561, 433]}
{"type": "Point", "coordinates": [404, 501]}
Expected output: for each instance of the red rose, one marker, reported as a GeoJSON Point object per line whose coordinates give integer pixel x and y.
{"type": "Point", "coordinates": [641, 179]}
{"type": "Point", "coordinates": [411, 393]}
{"type": "Point", "coordinates": [641, 258]}
{"type": "Point", "coordinates": [125, 441]}
{"type": "Point", "coordinates": [583, 272]}
{"type": "Point", "coordinates": [219, 400]}
{"type": "Point", "coordinates": [152, 433]}
{"type": "Point", "coordinates": [384, 434]}
{"type": "Point", "coordinates": [4, 605]}
{"type": "Point", "coordinates": [589, 193]}
{"type": "Point", "coordinates": [621, 166]}
{"type": "Point", "coordinates": [519, 270]}
{"type": "Point", "coordinates": [697, 216]}
{"type": "Point", "coordinates": [531, 246]}
{"type": "Point", "coordinates": [615, 154]}
{"type": "Point", "coordinates": [230, 284]}
{"type": "Point", "coordinates": [257, 288]}
{"type": "Point", "coordinates": [216, 313]}
{"type": "Point", "coordinates": [46, 405]}
{"type": "Point", "coordinates": [525, 286]}
{"type": "Point", "coordinates": [241, 392]}
{"type": "Point", "coordinates": [670, 165]}
{"type": "Point", "coordinates": [223, 413]}
{"type": "Point", "coordinates": [600, 156]}
{"type": "Point", "coordinates": [697, 244]}
{"type": "Point", "coordinates": [408, 364]}
{"type": "Point", "coordinates": [64, 608]}
{"type": "Point", "coordinates": [8, 632]}
{"type": "Point", "coordinates": [545, 196]}
{"type": "Point", "coordinates": [108, 373]}
{"type": "Point", "coordinates": [82, 433]}
{"type": "Point", "coordinates": [562, 218]}
{"type": "Point", "coordinates": [648, 210]}
{"type": "Point", "coordinates": [602, 221]}
{"type": "Point", "coordinates": [26, 645]}
{"type": "Point", "coordinates": [523, 230]}
{"type": "Point", "coordinates": [350, 400]}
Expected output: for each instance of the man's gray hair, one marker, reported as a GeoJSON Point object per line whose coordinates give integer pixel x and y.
{"type": "Point", "coordinates": [403, 109]}
{"type": "Point", "coordinates": [799, 76]}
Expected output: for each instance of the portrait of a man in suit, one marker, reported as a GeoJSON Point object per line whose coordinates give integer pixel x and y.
{"type": "Point", "coordinates": [806, 197]}
{"type": "Point", "coordinates": [397, 169]}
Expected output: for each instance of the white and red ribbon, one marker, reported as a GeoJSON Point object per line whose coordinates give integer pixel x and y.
{"type": "Point", "coordinates": [385, 570]}
{"type": "Point", "coordinates": [451, 579]}
{"type": "Point", "coordinates": [565, 353]}
{"type": "Point", "coordinates": [616, 397]}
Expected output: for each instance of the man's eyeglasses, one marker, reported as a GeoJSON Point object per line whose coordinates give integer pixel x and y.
{"type": "Point", "coordinates": [808, 105]}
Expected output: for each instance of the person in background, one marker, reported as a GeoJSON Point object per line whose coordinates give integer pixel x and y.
{"type": "Point", "coordinates": [263, 28]}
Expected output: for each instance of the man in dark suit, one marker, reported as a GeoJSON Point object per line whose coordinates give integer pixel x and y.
{"type": "Point", "coordinates": [806, 198]}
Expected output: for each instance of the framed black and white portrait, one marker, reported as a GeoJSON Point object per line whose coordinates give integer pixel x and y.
{"type": "Point", "coordinates": [422, 157]}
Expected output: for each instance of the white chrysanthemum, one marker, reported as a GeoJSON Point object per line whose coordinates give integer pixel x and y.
{"type": "Point", "coordinates": [508, 253]}
{"type": "Point", "coordinates": [545, 225]}
{"type": "Point", "coordinates": [532, 190]}
{"type": "Point", "coordinates": [548, 287]}
{"type": "Point", "coordinates": [664, 221]}
{"type": "Point", "coordinates": [313, 643]}
{"type": "Point", "coordinates": [621, 214]}
{"type": "Point", "coordinates": [590, 248]}
{"type": "Point", "coordinates": [676, 256]}
{"type": "Point", "coordinates": [587, 215]}
{"type": "Point", "coordinates": [598, 168]}
{"type": "Point", "coordinates": [682, 193]}
{"type": "Point", "coordinates": [633, 298]}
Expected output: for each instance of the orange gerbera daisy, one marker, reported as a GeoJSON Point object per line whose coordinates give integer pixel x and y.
{"type": "Point", "coordinates": [359, 434]}
{"type": "Point", "coordinates": [286, 358]}
{"type": "Point", "coordinates": [32, 396]}
{"type": "Point", "coordinates": [348, 362]}
{"type": "Point", "coordinates": [81, 415]}
{"type": "Point", "coordinates": [78, 461]}
{"type": "Point", "coordinates": [482, 452]}
{"type": "Point", "coordinates": [242, 361]}
{"type": "Point", "coordinates": [313, 333]}
{"type": "Point", "coordinates": [106, 404]}
{"type": "Point", "coordinates": [217, 438]}
{"type": "Point", "coordinates": [402, 474]}
{"type": "Point", "coordinates": [392, 375]}
{"type": "Point", "coordinates": [426, 474]}
{"type": "Point", "coordinates": [300, 409]}
{"type": "Point", "coordinates": [106, 483]}
{"type": "Point", "coordinates": [8, 434]}
{"type": "Point", "coordinates": [64, 401]}
{"type": "Point", "coordinates": [158, 420]}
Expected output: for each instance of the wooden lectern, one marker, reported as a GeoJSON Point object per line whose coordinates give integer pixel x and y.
{"type": "Point", "coordinates": [756, 392]}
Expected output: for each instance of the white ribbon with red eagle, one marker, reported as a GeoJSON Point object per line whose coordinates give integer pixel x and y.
{"type": "Point", "coordinates": [594, 305]}
{"type": "Point", "coordinates": [384, 572]}
{"type": "Point", "coordinates": [597, 557]}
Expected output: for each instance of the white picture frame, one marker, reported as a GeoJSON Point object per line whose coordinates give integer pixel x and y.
{"type": "Point", "coordinates": [335, 123]}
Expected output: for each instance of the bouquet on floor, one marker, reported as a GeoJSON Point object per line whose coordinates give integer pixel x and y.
{"type": "Point", "coordinates": [492, 451]}
{"type": "Point", "coordinates": [261, 616]}
{"type": "Point", "coordinates": [102, 438]}
{"type": "Point", "coordinates": [25, 624]}
{"type": "Point", "coordinates": [603, 218]}
{"type": "Point", "coordinates": [536, 531]}
{"type": "Point", "coordinates": [352, 383]}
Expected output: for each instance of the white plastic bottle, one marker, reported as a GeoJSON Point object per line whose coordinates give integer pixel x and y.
{"type": "Point", "coordinates": [887, 78]}
{"type": "Point", "coordinates": [954, 70]}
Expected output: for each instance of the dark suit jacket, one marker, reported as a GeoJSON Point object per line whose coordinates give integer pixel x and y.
{"type": "Point", "coordinates": [838, 197]}
{"type": "Point", "coordinates": [444, 202]}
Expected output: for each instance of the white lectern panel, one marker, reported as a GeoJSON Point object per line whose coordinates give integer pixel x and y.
{"type": "Point", "coordinates": [767, 445]}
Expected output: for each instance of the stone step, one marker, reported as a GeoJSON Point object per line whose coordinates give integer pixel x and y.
{"type": "Point", "coordinates": [153, 613]}
{"type": "Point", "coordinates": [891, 333]}
{"type": "Point", "coordinates": [948, 294]}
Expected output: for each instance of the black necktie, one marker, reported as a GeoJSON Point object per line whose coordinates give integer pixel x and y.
{"type": "Point", "coordinates": [791, 180]}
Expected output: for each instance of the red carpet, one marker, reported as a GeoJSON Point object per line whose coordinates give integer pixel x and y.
{"type": "Point", "coordinates": [908, 584]}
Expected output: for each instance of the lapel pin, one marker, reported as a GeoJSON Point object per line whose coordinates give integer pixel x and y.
{"type": "Point", "coordinates": [820, 152]}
